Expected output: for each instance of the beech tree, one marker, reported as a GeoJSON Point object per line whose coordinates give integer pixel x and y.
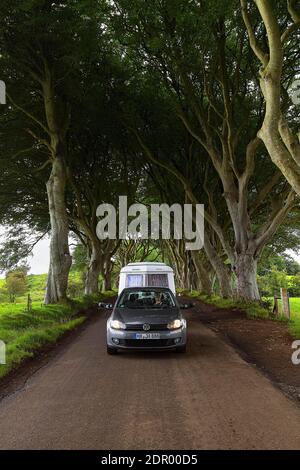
{"type": "Point", "coordinates": [215, 97]}
{"type": "Point", "coordinates": [42, 48]}
{"type": "Point", "coordinates": [24, 215]}
{"type": "Point", "coordinates": [277, 50]}
{"type": "Point", "coordinates": [102, 167]}
{"type": "Point", "coordinates": [179, 177]}
{"type": "Point", "coordinates": [163, 102]}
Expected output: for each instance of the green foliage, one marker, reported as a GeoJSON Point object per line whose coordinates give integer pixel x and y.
{"type": "Point", "coordinates": [36, 285]}
{"type": "Point", "coordinates": [131, 65]}
{"type": "Point", "coordinates": [271, 283]}
{"type": "Point", "coordinates": [90, 299]}
{"type": "Point", "coordinates": [294, 323]}
{"type": "Point", "coordinates": [79, 258]}
{"type": "Point", "coordinates": [294, 327]}
{"type": "Point", "coordinates": [276, 270]}
{"type": "Point", "coordinates": [294, 306]}
{"type": "Point", "coordinates": [273, 258]}
{"type": "Point", "coordinates": [25, 333]}
{"type": "Point", "coordinates": [22, 344]}
{"type": "Point", "coordinates": [75, 286]}
{"type": "Point", "coordinates": [253, 309]}
{"type": "Point", "coordinates": [16, 283]}
{"type": "Point", "coordinates": [14, 249]}
{"type": "Point", "coordinates": [3, 291]}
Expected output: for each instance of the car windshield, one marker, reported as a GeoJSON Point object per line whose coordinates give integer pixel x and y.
{"type": "Point", "coordinates": [139, 298]}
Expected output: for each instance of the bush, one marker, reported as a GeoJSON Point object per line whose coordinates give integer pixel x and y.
{"type": "Point", "coordinates": [270, 283]}
{"type": "Point", "coordinates": [16, 283]}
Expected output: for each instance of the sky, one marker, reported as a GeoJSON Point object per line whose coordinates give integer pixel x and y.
{"type": "Point", "coordinates": [39, 261]}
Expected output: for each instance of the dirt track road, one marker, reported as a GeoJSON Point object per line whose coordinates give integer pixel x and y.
{"type": "Point", "coordinates": [207, 399]}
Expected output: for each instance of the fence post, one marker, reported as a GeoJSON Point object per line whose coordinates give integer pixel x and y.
{"type": "Point", "coordinates": [29, 303]}
{"type": "Point", "coordinates": [2, 353]}
{"type": "Point", "coordinates": [285, 303]}
{"type": "Point", "coordinates": [275, 308]}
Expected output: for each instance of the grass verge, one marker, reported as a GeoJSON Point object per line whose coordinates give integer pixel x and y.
{"type": "Point", "coordinates": [294, 327]}
{"type": "Point", "coordinates": [24, 333]}
{"type": "Point", "coordinates": [294, 323]}
{"type": "Point", "coordinates": [252, 309]}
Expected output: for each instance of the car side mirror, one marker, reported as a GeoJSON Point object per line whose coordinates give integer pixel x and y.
{"type": "Point", "coordinates": [186, 306]}
{"type": "Point", "coordinates": [106, 306]}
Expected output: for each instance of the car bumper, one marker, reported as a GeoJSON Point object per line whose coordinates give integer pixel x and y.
{"type": "Point", "coordinates": [122, 339]}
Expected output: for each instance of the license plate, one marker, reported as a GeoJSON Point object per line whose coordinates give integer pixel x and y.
{"type": "Point", "coordinates": [147, 336]}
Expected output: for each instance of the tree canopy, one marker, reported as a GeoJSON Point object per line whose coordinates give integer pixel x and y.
{"type": "Point", "coordinates": [166, 102]}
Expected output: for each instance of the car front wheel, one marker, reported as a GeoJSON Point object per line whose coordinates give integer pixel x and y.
{"type": "Point", "coordinates": [181, 349]}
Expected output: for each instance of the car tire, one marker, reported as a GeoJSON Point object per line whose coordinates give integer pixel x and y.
{"type": "Point", "coordinates": [181, 349]}
{"type": "Point", "coordinates": [111, 350]}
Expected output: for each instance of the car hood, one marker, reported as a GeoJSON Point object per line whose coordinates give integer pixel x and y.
{"type": "Point", "coordinates": [151, 316]}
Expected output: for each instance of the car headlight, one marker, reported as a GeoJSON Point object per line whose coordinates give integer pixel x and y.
{"type": "Point", "coordinates": [175, 324]}
{"type": "Point", "coordinates": [117, 325]}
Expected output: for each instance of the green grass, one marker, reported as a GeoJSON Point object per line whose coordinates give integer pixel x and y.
{"type": "Point", "coordinates": [24, 333]}
{"type": "Point", "coordinates": [294, 327]}
{"type": "Point", "coordinates": [294, 324]}
{"type": "Point", "coordinates": [253, 309]}
{"type": "Point", "coordinates": [295, 306]}
{"type": "Point", "coordinates": [22, 344]}
{"type": "Point", "coordinates": [36, 285]}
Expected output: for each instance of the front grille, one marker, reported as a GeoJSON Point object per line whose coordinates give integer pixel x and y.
{"type": "Point", "coordinates": [153, 327]}
{"type": "Point", "coordinates": [146, 343]}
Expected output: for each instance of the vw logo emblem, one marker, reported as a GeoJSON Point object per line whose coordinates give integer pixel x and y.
{"type": "Point", "coordinates": [146, 327]}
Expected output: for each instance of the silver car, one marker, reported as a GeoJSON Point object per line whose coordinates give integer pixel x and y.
{"type": "Point", "coordinates": [146, 318]}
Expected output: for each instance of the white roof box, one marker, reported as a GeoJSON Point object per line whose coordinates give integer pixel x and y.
{"type": "Point", "coordinates": [146, 274]}
{"type": "Point", "coordinates": [146, 267]}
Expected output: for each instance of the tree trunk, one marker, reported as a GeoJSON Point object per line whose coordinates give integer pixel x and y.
{"type": "Point", "coordinates": [203, 280]}
{"type": "Point", "coordinates": [108, 267]}
{"type": "Point", "coordinates": [107, 281]}
{"type": "Point", "coordinates": [246, 271]}
{"type": "Point", "coordinates": [220, 269]}
{"type": "Point", "coordinates": [93, 272]}
{"type": "Point", "coordinates": [60, 259]}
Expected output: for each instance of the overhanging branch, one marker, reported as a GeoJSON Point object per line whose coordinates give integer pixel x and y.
{"type": "Point", "coordinates": [263, 58]}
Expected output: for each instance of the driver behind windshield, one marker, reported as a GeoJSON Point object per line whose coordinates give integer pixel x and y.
{"type": "Point", "coordinates": [143, 299]}
{"type": "Point", "coordinates": [157, 299]}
